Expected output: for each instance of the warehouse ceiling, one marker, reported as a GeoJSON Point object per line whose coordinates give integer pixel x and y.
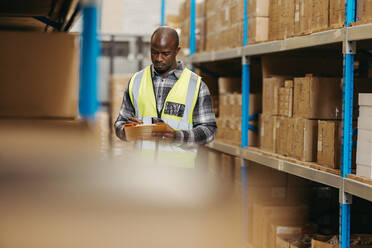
{"type": "Point", "coordinates": [38, 15]}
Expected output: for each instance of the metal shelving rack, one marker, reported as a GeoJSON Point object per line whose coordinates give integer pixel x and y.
{"type": "Point", "coordinates": [347, 36]}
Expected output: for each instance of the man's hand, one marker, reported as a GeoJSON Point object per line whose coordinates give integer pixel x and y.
{"type": "Point", "coordinates": [133, 120]}
{"type": "Point", "coordinates": [168, 135]}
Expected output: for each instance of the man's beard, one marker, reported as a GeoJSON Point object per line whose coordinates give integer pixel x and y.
{"type": "Point", "coordinates": [161, 69]}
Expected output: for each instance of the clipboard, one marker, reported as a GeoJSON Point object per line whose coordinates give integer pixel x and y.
{"type": "Point", "coordinates": [135, 132]}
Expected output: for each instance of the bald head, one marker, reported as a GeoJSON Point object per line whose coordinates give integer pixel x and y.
{"type": "Point", "coordinates": [166, 33]}
{"type": "Point", "coordinates": [164, 49]}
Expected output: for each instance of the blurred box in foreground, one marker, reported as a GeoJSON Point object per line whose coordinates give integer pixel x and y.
{"type": "Point", "coordinates": [39, 75]}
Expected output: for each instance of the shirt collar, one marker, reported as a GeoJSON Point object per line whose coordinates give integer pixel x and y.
{"type": "Point", "coordinates": [176, 72]}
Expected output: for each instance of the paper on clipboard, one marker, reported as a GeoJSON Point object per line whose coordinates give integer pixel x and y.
{"type": "Point", "coordinates": [144, 132]}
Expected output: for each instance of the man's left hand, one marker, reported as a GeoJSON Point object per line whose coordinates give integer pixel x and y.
{"type": "Point", "coordinates": [168, 135]}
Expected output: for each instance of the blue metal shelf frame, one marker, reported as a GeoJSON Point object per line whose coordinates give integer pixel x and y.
{"type": "Point", "coordinates": [88, 103]}
{"type": "Point", "coordinates": [192, 27]}
{"type": "Point", "coordinates": [162, 15]}
{"type": "Point", "coordinates": [347, 132]}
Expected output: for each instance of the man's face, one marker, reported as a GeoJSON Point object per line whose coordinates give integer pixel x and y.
{"type": "Point", "coordinates": [163, 53]}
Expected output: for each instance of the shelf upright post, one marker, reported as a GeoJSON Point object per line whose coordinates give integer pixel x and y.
{"type": "Point", "coordinates": [192, 27]}
{"type": "Point", "coordinates": [245, 82]}
{"type": "Point", "coordinates": [245, 125]}
{"type": "Point", "coordinates": [349, 50]}
{"type": "Point", "coordinates": [162, 20]}
{"type": "Point", "coordinates": [88, 103]}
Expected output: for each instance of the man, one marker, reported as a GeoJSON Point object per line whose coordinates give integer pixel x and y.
{"type": "Point", "coordinates": [168, 92]}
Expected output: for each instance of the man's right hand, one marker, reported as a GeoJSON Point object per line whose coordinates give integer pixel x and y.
{"type": "Point", "coordinates": [133, 120]}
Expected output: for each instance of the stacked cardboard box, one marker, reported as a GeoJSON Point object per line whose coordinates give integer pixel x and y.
{"type": "Point", "coordinates": [225, 23]}
{"type": "Point", "coordinates": [364, 11]}
{"type": "Point", "coordinates": [265, 215]}
{"type": "Point", "coordinates": [39, 75]}
{"type": "Point", "coordinates": [320, 15]}
{"type": "Point", "coordinates": [184, 25]}
{"type": "Point", "coordinates": [364, 143]}
{"type": "Point", "coordinates": [297, 136]}
{"type": "Point", "coordinates": [336, 13]}
{"type": "Point", "coordinates": [230, 112]}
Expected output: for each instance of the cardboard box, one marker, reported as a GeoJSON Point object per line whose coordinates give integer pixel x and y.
{"type": "Point", "coordinates": [307, 18]}
{"type": "Point", "coordinates": [364, 148]}
{"type": "Point", "coordinates": [286, 99]}
{"type": "Point", "coordinates": [274, 21]}
{"type": "Point", "coordinates": [285, 235]}
{"type": "Point", "coordinates": [258, 8]}
{"type": "Point", "coordinates": [336, 13]}
{"type": "Point", "coordinates": [320, 15]}
{"type": "Point", "coordinates": [270, 93]}
{"type": "Point", "coordinates": [287, 16]}
{"type": "Point", "coordinates": [268, 132]}
{"type": "Point", "coordinates": [291, 137]}
{"type": "Point", "coordinates": [305, 142]}
{"type": "Point", "coordinates": [364, 11]}
{"type": "Point", "coordinates": [309, 100]}
{"type": "Point", "coordinates": [229, 85]}
{"type": "Point", "coordinates": [298, 18]}
{"type": "Point", "coordinates": [282, 130]}
{"type": "Point", "coordinates": [321, 241]}
{"type": "Point", "coordinates": [39, 75]}
{"type": "Point", "coordinates": [266, 214]}
{"type": "Point", "coordinates": [258, 29]}
{"type": "Point", "coordinates": [329, 143]}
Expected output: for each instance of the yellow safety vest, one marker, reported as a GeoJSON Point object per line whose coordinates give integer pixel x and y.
{"type": "Point", "coordinates": [177, 113]}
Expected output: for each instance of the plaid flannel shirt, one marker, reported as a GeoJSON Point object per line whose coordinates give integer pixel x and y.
{"type": "Point", "coordinates": [204, 121]}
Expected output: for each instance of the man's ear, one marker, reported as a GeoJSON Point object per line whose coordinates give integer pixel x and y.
{"type": "Point", "coordinates": [177, 50]}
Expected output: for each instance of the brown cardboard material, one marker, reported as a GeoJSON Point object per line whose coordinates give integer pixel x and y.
{"type": "Point", "coordinates": [287, 16]}
{"type": "Point", "coordinates": [274, 22]}
{"type": "Point", "coordinates": [298, 18]}
{"type": "Point", "coordinates": [336, 13]}
{"type": "Point", "coordinates": [258, 8]}
{"type": "Point", "coordinates": [364, 11]}
{"type": "Point", "coordinates": [286, 99]}
{"type": "Point", "coordinates": [268, 132]}
{"type": "Point", "coordinates": [282, 129]}
{"type": "Point", "coordinates": [39, 75]}
{"type": "Point", "coordinates": [305, 142]}
{"type": "Point", "coordinates": [307, 6]}
{"type": "Point", "coordinates": [258, 29]}
{"type": "Point", "coordinates": [229, 85]}
{"type": "Point", "coordinates": [309, 100]}
{"type": "Point", "coordinates": [320, 15]}
{"type": "Point", "coordinates": [270, 101]}
{"type": "Point", "coordinates": [266, 214]}
{"type": "Point", "coordinates": [329, 143]}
